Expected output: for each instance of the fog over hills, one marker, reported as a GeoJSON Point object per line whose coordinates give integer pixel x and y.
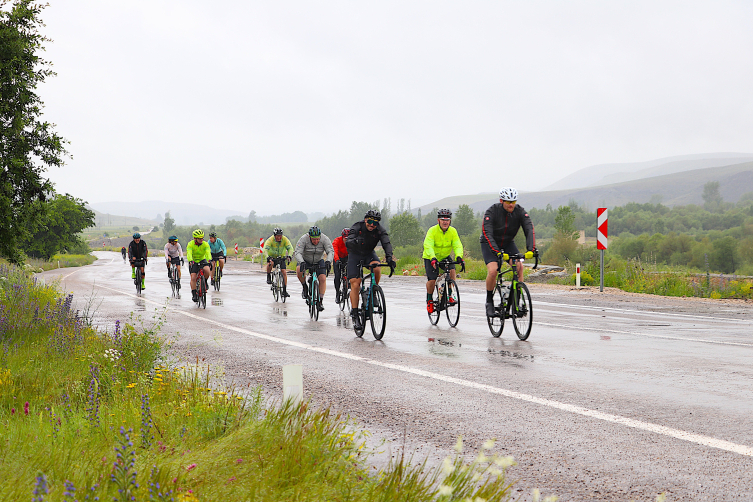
{"type": "Point", "coordinates": [678, 188]}
{"type": "Point", "coordinates": [605, 174]}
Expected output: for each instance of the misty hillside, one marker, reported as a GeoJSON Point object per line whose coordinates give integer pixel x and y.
{"type": "Point", "coordinates": [154, 210]}
{"type": "Point", "coordinates": [605, 174]}
{"type": "Point", "coordinates": [670, 189]}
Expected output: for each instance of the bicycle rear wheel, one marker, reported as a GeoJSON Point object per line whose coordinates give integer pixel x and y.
{"type": "Point", "coordinates": [204, 291]}
{"type": "Point", "coordinates": [434, 314]}
{"type": "Point", "coordinates": [452, 302]}
{"type": "Point", "coordinates": [378, 312]}
{"type": "Point", "coordinates": [497, 323]}
{"type": "Point", "coordinates": [521, 311]}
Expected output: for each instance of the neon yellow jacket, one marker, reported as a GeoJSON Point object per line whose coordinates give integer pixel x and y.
{"type": "Point", "coordinates": [198, 253]}
{"type": "Point", "coordinates": [275, 249]}
{"type": "Point", "coordinates": [438, 244]}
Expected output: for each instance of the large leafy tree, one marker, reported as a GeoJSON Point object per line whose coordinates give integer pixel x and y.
{"type": "Point", "coordinates": [405, 230]}
{"type": "Point", "coordinates": [28, 145]}
{"type": "Point", "coordinates": [62, 219]}
{"type": "Point", "coordinates": [464, 220]}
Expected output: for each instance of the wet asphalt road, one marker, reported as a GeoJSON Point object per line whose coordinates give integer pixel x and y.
{"type": "Point", "coordinates": [613, 397]}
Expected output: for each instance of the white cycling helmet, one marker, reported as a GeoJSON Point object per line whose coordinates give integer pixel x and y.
{"type": "Point", "coordinates": [508, 194]}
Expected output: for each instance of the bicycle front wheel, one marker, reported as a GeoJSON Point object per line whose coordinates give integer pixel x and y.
{"type": "Point", "coordinates": [434, 314]}
{"type": "Point", "coordinates": [452, 302]}
{"type": "Point", "coordinates": [216, 273]}
{"type": "Point", "coordinates": [138, 281]}
{"type": "Point", "coordinates": [344, 294]}
{"type": "Point", "coordinates": [276, 285]}
{"type": "Point", "coordinates": [521, 311]}
{"type": "Point", "coordinates": [497, 323]}
{"type": "Point", "coordinates": [378, 312]}
{"type": "Point", "coordinates": [174, 281]}
{"type": "Point", "coordinates": [315, 302]}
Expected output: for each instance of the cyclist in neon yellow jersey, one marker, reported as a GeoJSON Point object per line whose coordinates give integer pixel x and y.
{"type": "Point", "coordinates": [441, 240]}
{"type": "Point", "coordinates": [278, 246]}
{"type": "Point", "coordinates": [198, 255]}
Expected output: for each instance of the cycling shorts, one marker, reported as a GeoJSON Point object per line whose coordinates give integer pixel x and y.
{"type": "Point", "coordinates": [355, 260]}
{"type": "Point", "coordinates": [174, 260]}
{"type": "Point", "coordinates": [491, 256]}
{"type": "Point", "coordinates": [281, 260]}
{"type": "Point", "coordinates": [431, 272]}
{"type": "Point", "coordinates": [321, 267]}
{"type": "Point", "coordinates": [216, 256]}
{"type": "Point", "coordinates": [194, 269]}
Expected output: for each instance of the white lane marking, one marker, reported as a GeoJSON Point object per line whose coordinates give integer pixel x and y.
{"type": "Point", "coordinates": [614, 331]}
{"type": "Point", "coordinates": [642, 312]}
{"type": "Point", "coordinates": [578, 410]}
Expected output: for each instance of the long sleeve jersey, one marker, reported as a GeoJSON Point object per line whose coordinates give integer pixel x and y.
{"type": "Point", "coordinates": [340, 250]}
{"type": "Point", "coordinates": [197, 253]}
{"type": "Point", "coordinates": [500, 227]}
{"type": "Point", "coordinates": [274, 249]}
{"type": "Point", "coordinates": [306, 251]}
{"type": "Point", "coordinates": [173, 251]}
{"type": "Point", "coordinates": [439, 244]}
{"type": "Point", "coordinates": [218, 246]}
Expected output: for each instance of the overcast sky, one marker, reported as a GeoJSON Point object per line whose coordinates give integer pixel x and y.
{"type": "Point", "coordinates": [310, 105]}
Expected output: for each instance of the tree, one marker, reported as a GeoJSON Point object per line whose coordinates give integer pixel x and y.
{"type": "Point", "coordinates": [405, 230]}
{"type": "Point", "coordinates": [62, 220]}
{"type": "Point", "coordinates": [358, 209]}
{"type": "Point", "coordinates": [169, 223]}
{"type": "Point", "coordinates": [564, 223]}
{"type": "Point", "coordinates": [135, 228]}
{"type": "Point", "coordinates": [252, 216]}
{"type": "Point", "coordinates": [28, 145]}
{"type": "Point", "coordinates": [464, 220]}
{"type": "Point", "coordinates": [712, 198]}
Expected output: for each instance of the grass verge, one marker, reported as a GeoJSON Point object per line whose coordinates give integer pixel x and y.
{"type": "Point", "coordinates": [89, 415]}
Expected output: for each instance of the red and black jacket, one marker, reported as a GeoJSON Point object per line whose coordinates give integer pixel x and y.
{"type": "Point", "coordinates": [499, 227]}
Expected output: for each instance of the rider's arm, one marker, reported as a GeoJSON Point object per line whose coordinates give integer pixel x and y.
{"type": "Point", "coordinates": [189, 251]}
{"type": "Point", "coordinates": [180, 251]}
{"type": "Point", "coordinates": [527, 225]}
{"type": "Point", "coordinates": [429, 252]}
{"type": "Point", "coordinates": [384, 238]}
{"type": "Point", "coordinates": [328, 248]}
{"type": "Point", "coordinates": [146, 251]}
{"type": "Point", "coordinates": [350, 241]}
{"type": "Point", "coordinates": [487, 229]}
{"type": "Point", "coordinates": [224, 248]}
{"type": "Point", "coordinates": [288, 246]}
{"type": "Point", "coordinates": [335, 245]}
{"type": "Point", "coordinates": [167, 254]}
{"type": "Point", "coordinates": [457, 244]}
{"type": "Point", "coordinates": [299, 248]}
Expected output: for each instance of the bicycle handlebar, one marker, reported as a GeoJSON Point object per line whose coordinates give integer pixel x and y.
{"type": "Point", "coordinates": [449, 261]}
{"type": "Point", "coordinates": [377, 265]}
{"type": "Point", "coordinates": [519, 256]}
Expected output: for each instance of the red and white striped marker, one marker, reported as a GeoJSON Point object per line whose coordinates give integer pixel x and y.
{"type": "Point", "coordinates": [261, 242]}
{"type": "Point", "coordinates": [236, 248]}
{"type": "Point", "coordinates": [601, 228]}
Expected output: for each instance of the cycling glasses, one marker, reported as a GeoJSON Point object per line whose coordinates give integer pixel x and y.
{"type": "Point", "coordinates": [372, 222]}
{"type": "Point", "coordinates": [445, 218]}
{"type": "Point", "coordinates": [512, 202]}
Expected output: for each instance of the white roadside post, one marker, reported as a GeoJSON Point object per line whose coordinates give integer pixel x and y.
{"type": "Point", "coordinates": [577, 275]}
{"type": "Point", "coordinates": [292, 383]}
{"type": "Point", "coordinates": [601, 240]}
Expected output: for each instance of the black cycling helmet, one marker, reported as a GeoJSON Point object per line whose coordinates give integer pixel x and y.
{"type": "Point", "coordinates": [444, 213]}
{"type": "Point", "coordinates": [315, 232]}
{"type": "Point", "coordinates": [213, 234]}
{"type": "Point", "coordinates": [345, 232]}
{"type": "Point", "coordinates": [277, 231]}
{"type": "Point", "coordinates": [137, 235]}
{"type": "Point", "coordinates": [373, 214]}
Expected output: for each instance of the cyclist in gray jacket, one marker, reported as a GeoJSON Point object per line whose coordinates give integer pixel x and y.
{"type": "Point", "coordinates": [309, 251]}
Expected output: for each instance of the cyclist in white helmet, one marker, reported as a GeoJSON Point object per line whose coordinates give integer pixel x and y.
{"type": "Point", "coordinates": [499, 228]}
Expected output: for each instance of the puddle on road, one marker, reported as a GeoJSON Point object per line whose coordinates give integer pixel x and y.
{"type": "Point", "coordinates": [280, 311]}
{"type": "Point", "coordinates": [509, 353]}
{"type": "Point", "coordinates": [217, 302]}
{"type": "Point", "coordinates": [140, 305]}
{"type": "Point", "coordinates": [343, 321]}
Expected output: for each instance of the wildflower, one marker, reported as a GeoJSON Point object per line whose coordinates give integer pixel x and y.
{"type": "Point", "coordinates": [239, 461]}
{"type": "Point", "coordinates": [445, 490]}
{"type": "Point", "coordinates": [40, 488]}
{"type": "Point", "coordinates": [191, 467]}
{"type": "Point", "coordinates": [26, 408]}
{"type": "Point", "coordinates": [489, 444]}
{"type": "Point", "coordinates": [130, 386]}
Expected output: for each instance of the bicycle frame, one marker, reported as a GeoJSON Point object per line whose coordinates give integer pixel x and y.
{"type": "Point", "coordinates": [313, 286]}
{"type": "Point", "coordinates": [514, 299]}
{"type": "Point", "coordinates": [443, 294]}
{"type": "Point", "coordinates": [367, 301]}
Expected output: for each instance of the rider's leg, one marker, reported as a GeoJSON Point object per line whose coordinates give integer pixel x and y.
{"type": "Point", "coordinates": [520, 271]}
{"type": "Point", "coordinates": [222, 265]}
{"type": "Point", "coordinates": [167, 262]}
{"type": "Point", "coordinates": [377, 272]}
{"type": "Point", "coordinates": [322, 285]}
{"type": "Point", "coordinates": [491, 277]}
{"type": "Point", "coordinates": [177, 267]}
{"type": "Point", "coordinates": [193, 281]}
{"type": "Point", "coordinates": [355, 287]}
{"type": "Point", "coordinates": [269, 272]}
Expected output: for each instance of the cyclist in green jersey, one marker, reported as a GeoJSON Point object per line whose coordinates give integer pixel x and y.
{"type": "Point", "coordinates": [441, 240]}
{"type": "Point", "coordinates": [278, 246]}
{"type": "Point", "coordinates": [198, 255]}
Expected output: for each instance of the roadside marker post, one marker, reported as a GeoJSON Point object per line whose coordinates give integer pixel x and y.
{"type": "Point", "coordinates": [292, 383]}
{"type": "Point", "coordinates": [236, 251]}
{"type": "Point", "coordinates": [601, 240]}
{"type": "Point", "coordinates": [577, 275]}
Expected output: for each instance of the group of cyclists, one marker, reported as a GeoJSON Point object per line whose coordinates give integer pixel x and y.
{"type": "Point", "coordinates": [355, 248]}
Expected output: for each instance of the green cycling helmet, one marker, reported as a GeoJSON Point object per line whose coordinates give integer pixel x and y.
{"type": "Point", "coordinates": [198, 234]}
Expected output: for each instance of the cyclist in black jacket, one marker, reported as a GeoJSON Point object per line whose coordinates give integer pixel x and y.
{"type": "Point", "coordinates": [138, 253]}
{"type": "Point", "coordinates": [362, 238]}
{"type": "Point", "coordinates": [500, 226]}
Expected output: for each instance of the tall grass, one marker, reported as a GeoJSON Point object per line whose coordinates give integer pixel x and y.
{"type": "Point", "coordinates": [88, 415]}
{"type": "Point", "coordinates": [61, 261]}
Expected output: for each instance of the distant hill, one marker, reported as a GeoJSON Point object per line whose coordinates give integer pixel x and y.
{"type": "Point", "coordinates": [154, 210]}
{"type": "Point", "coordinates": [671, 189]}
{"type": "Point", "coordinates": [605, 174]}
{"type": "Point", "coordinates": [115, 220]}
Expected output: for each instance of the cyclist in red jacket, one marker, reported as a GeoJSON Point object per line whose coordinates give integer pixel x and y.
{"type": "Point", "coordinates": [341, 261]}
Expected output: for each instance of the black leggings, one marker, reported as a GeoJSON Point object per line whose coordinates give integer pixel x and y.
{"type": "Point", "coordinates": [340, 267]}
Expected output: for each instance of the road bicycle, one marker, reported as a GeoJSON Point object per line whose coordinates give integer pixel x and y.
{"type": "Point", "coordinates": [373, 306]}
{"type": "Point", "coordinates": [512, 300]}
{"type": "Point", "coordinates": [139, 275]}
{"type": "Point", "coordinates": [216, 273]}
{"type": "Point", "coordinates": [313, 298]}
{"type": "Point", "coordinates": [447, 295]}
{"type": "Point", "coordinates": [124, 256]}
{"type": "Point", "coordinates": [174, 279]}
{"type": "Point", "coordinates": [344, 286]}
{"type": "Point", "coordinates": [277, 278]}
{"type": "Point", "coordinates": [201, 286]}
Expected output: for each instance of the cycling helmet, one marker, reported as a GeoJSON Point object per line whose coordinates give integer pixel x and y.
{"type": "Point", "coordinates": [444, 213]}
{"type": "Point", "coordinates": [213, 234]}
{"type": "Point", "coordinates": [277, 231]}
{"type": "Point", "coordinates": [198, 234]}
{"type": "Point", "coordinates": [172, 238]}
{"type": "Point", "coordinates": [508, 194]}
{"type": "Point", "coordinates": [345, 232]}
{"type": "Point", "coordinates": [315, 232]}
{"type": "Point", "coordinates": [137, 235]}
{"type": "Point", "coordinates": [373, 214]}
